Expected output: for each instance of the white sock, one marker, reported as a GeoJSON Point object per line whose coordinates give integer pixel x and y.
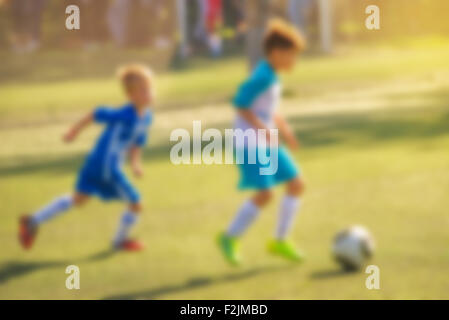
{"type": "Point", "coordinates": [127, 220]}
{"type": "Point", "coordinates": [289, 206]}
{"type": "Point", "coordinates": [244, 217]}
{"type": "Point", "coordinates": [58, 206]}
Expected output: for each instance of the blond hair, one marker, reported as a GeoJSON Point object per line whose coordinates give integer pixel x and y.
{"type": "Point", "coordinates": [281, 34]}
{"type": "Point", "coordinates": [131, 74]}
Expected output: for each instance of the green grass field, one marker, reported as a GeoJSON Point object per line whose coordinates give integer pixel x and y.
{"type": "Point", "coordinates": [374, 127]}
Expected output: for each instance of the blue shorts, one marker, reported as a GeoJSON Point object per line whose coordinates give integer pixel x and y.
{"type": "Point", "coordinates": [115, 187]}
{"type": "Point", "coordinates": [251, 177]}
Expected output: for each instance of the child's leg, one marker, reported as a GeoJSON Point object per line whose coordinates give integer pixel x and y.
{"type": "Point", "coordinates": [127, 221]}
{"type": "Point", "coordinates": [248, 212]}
{"type": "Point", "coordinates": [228, 241]}
{"type": "Point", "coordinates": [57, 207]}
{"type": "Point", "coordinates": [28, 225]}
{"type": "Point", "coordinates": [289, 207]}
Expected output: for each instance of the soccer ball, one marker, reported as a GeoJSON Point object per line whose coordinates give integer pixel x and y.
{"type": "Point", "coordinates": [352, 247]}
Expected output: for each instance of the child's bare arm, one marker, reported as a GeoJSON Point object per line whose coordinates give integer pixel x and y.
{"type": "Point", "coordinates": [135, 158]}
{"type": "Point", "coordinates": [78, 127]}
{"type": "Point", "coordinates": [286, 132]}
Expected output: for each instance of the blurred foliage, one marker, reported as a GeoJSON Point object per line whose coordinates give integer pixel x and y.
{"type": "Point", "coordinates": [398, 18]}
{"type": "Point", "coordinates": [54, 33]}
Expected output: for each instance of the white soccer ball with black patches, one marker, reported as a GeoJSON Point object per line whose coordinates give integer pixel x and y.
{"type": "Point", "coordinates": [353, 247]}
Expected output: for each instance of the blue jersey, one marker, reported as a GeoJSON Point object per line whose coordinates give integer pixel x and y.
{"type": "Point", "coordinates": [124, 128]}
{"type": "Point", "coordinates": [101, 174]}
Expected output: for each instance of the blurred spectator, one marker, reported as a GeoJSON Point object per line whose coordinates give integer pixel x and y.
{"type": "Point", "coordinates": [200, 26]}
{"type": "Point", "coordinates": [298, 11]}
{"type": "Point", "coordinates": [117, 19]}
{"type": "Point", "coordinates": [238, 18]}
{"type": "Point", "coordinates": [213, 25]}
{"type": "Point", "coordinates": [234, 21]}
{"type": "Point", "coordinates": [27, 17]}
{"type": "Point", "coordinates": [161, 31]}
{"type": "Point", "coordinates": [208, 23]}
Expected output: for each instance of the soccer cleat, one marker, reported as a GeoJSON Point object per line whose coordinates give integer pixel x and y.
{"type": "Point", "coordinates": [129, 245]}
{"type": "Point", "coordinates": [27, 232]}
{"type": "Point", "coordinates": [285, 249]}
{"type": "Point", "coordinates": [230, 248]}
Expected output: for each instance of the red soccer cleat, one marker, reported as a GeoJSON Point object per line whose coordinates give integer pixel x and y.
{"type": "Point", "coordinates": [27, 232]}
{"type": "Point", "coordinates": [130, 245]}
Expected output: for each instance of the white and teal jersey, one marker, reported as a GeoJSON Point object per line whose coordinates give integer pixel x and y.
{"type": "Point", "coordinates": [261, 94]}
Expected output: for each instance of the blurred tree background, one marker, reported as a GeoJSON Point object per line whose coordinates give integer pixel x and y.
{"type": "Point", "coordinates": [149, 18]}
{"type": "Point", "coordinates": [399, 18]}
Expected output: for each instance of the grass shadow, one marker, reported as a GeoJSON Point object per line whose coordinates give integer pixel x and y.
{"type": "Point", "coordinates": [194, 283]}
{"type": "Point", "coordinates": [67, 163]}
{"type": "Point", "coordinates": [332, 273]}
{"type": "Point", "coordinates": [101, 255]}
{"type": "Point", "coordinates": [314, 131]}
{"type": "Point", "coordinates": [17, 269]}
{"type": "Point", "coordinates": [369, 128]}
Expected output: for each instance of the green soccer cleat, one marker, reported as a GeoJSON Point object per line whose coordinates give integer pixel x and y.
{"type": "Point", "coordinates": [230, 248]}
{"type": "Point", "coordinates": [285, 249]}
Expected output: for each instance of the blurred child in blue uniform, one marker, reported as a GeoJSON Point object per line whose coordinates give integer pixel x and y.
{"type": "Point", "coordinates": [124, 134]}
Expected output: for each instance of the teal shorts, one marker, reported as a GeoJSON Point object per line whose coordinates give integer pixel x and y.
{"type": "Point", "coordinates": [251, 177]}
